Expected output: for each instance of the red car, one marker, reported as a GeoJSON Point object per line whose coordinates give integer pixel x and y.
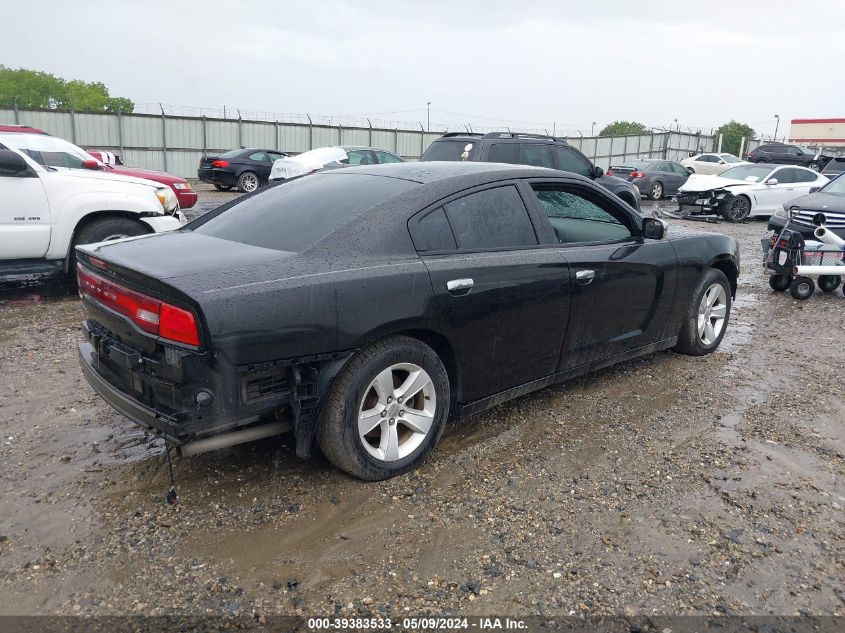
{"type": "Point", "coordinates": [182, 188]}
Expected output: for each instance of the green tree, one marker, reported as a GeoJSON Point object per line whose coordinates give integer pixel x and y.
{"type": "Point", "coordinates": [40, 90]}
{"type": "Point", "coordinates": [623, 128]}
{"type": "Point", "coordinates": [732, 133]}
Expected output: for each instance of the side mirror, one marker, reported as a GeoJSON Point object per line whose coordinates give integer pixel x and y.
{"type": "Point", "coordinates": [598, 172]}
{"type": "Point", "coordinates": [91, 164]}
{"type": "Point", "coordinates": [654, 228]}
{"type": "Point", "coordinates": [814, 189]}
{"type": "Point", "coordinates": [12, 164]}
{"type": "Point", "coordinates": [772, 181]}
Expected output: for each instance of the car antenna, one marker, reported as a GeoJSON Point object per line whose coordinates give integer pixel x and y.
{"type": "Point", "coordinates": [171, 498]}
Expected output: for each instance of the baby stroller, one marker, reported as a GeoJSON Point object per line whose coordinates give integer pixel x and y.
{"type": "Point", "coordinates": [792, 261]}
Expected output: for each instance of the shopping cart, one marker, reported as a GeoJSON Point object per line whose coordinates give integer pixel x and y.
{"type": "Point", "coordinates": [792, 261]}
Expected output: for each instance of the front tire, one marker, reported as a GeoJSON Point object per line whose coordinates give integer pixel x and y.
{"type": "Point", "coordinates": [706, 320]}
{"type": "Point", "coordinates": [815, 166]}
{"type": "Point", "coordinates": [735, 209]}
{"type": "Point", "coordinates": [802, 288]}
{"type": "Point", "coordinates": [248, 182]}
{"type": "Point", "coordinates": [657, 191]}
{"type": "Point", "coordinates": [386, 410]}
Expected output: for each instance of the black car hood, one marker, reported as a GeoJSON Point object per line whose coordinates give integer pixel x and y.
{"type": "Point", "coordinates": [820, 201]}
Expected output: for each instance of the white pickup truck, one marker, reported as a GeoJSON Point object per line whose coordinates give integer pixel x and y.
{"type": "Point", "coordinates": [54, 196]}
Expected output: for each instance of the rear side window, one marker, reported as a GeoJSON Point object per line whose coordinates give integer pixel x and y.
{"type": "Point", "coordinates": [448, 150]}
{"type": "Point", "coordinates": [802, 175]}
{"type": "Point", "coordinates": [504, 153]}
{"type": "Point", "coordinates": [294, 215]}
{"type": "Point", "coordinates": [433, 233]}
{"type": "Point", "coordinates": [489, 219]}
{"type": "Point", "coordinates": [258, 156]}
{"type": "Point", "coordinates": [570, 160]}
{"type": "Point", "coordinates": [536, 156]}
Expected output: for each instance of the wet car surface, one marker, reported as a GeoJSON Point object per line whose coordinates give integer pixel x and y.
{"type": "Point", "coordinates": [667, 484]}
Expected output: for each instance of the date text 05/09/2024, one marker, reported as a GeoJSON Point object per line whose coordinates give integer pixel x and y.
{"type": "Point", "coordinates": [417, 624]}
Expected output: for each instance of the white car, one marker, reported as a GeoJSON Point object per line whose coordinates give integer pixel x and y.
{"type": "Point", "coordinates": [711, 163]}
{"type": "Point", "coordinates": [55, 196]}
{"type": "Point", "coordinates": [747, 190]}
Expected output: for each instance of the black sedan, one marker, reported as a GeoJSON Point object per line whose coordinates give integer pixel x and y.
{"type": "Point", "coordinates": [364, 306]}
{"type": "Point", "coordinates": [245, 168]}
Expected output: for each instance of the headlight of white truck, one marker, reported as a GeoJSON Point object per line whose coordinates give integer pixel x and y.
{"type": "Point", "coordinates": [168, 199]}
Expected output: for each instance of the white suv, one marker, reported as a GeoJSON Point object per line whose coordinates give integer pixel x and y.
{"type": "Point", "coordinates": [54, 196]}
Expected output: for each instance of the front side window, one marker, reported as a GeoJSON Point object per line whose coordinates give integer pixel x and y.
{"type": "Point", "coordinates": [784, 176]}
{"type": "Point", "coordinates": [664, 167]}
{"type": "Point", "coordinates": [730, 158]}
{"type": "Point", "coordinates": [679, 169]}
{"type": "Point", "coordinates": [536, 156]}
{"type": "Point", "coordinates": [387, 157]}
{"type": "Point", "coordinates": [358, 157]}
{"type": "Point", "coordinates": [570, 160]}
{"type": "Point", "coordinates": [491, 219]}
{"type": "Point", "coordinates": [577, 217]}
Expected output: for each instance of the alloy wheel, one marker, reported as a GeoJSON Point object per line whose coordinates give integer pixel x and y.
{"type": "Point", "coordinates": [397, 412]}
{"type": "Point", "coordinates": [712, 312]}
{"type": "Point", "coordinates": [656, 191]}
{"type": "Point", "coordinates": [249, 182]}
{"type": "Point", "coordinates": [739, 209]}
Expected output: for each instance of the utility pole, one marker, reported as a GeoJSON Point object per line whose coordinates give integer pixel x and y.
{"type": "Point", "coordinates": [593, 129]}
{"type": "Point", "coordinates": [777, 123]}
{"type": "Point", "coordinates": [428, 116]}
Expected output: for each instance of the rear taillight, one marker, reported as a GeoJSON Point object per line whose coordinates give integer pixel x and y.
{"type": "Point", "coordinates": [637, 174]}
{"type": "Point", "coordinates": [220, 163]}
{"type": "Point", "coordinates": [151, 315]}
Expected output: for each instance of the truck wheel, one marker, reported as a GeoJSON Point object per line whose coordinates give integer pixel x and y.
{"type": "Point", "coordinates": [107, 229]}
{"type": "Point", "coordinates": [707, 316]}
{"type": "Point", "coordinates": [802, 288]}
{"type": "Point", "coordinates": [780, 283]}
{"type": "Point", "coordinates": [829, 283]}
{"type": "Point", "coordinates": [386, 410]}
{"type": "Point", "coordinates": [248, 182]}
{"type": "Point", "coordinates": [735, 208]}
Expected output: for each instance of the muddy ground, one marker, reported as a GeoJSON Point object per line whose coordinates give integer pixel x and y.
{"type": "Point", "coordinates": [665, 485]}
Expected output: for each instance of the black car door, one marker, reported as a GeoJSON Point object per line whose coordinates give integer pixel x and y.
{"type": "Point", "coordinates": [623, 284]}
{"type": "Point", "coordinates": [501, 290]}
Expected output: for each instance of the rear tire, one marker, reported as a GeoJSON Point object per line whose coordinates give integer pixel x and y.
{"type": "Point", "coordinates": [398, 435]}
{"type": "Point", "coordinates": [248, 182]}
{"type": "Point", "coordinates": [222, 187]}
{"type": "Point", "coordinates": [710, 304]}
{"type": "Point", "coordinates": [780, 283]}
{"type": "Point", "coordinates": [657, 191]}
{"type": "Point", "coordinates": [104, 230]}
{"type": "Point", "coordinates": [829, 283]}
{"type": "Point", "coordinates": [802, 288]}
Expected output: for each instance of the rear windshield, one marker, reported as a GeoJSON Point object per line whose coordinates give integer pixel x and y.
{"type": "Point", "coordinates": [449, 150]}
{"type": "Point", "coordinates": [293, 215]}
{"type": "Point", "coordinates": [835, 165]}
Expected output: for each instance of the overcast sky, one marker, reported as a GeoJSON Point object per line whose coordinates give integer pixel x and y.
{"type": "Point", "coordinates": [489, 63]}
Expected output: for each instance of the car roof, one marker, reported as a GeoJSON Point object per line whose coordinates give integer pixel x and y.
{"type": "Point", "coordinates": [428, 172]}
{"type": "Point", "coordinates": [26, 129]}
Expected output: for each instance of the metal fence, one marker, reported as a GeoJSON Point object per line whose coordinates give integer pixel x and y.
{"type": "Point", "coordinates": [175, 143]}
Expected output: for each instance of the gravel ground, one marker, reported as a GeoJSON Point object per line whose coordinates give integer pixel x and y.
{"type": "Point", "coordinates": [665, 485]}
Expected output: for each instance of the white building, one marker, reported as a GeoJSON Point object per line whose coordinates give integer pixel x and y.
{"type": "Point", "coordinates": [818, 133]}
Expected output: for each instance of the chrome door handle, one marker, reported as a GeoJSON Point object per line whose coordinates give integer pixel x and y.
{"type": "Point", "coordinates": [585, 277]}
{"type": "Point", "coordinates": [459, 286]}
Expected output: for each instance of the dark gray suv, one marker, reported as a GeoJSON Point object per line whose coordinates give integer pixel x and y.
{"type": "Point", "coordinates": [527, 149]}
